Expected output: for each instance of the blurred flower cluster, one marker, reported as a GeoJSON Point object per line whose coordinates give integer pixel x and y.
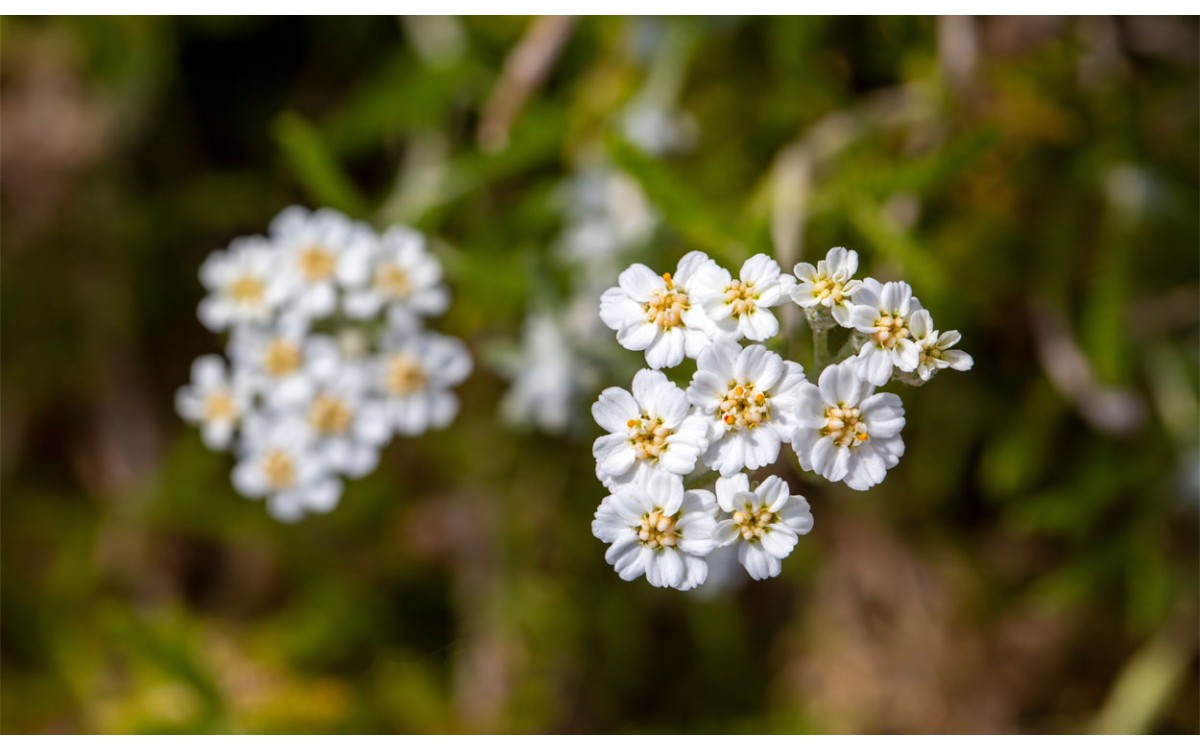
{"type": "Point", "coordinates": [743, 404]}
{"type": "Point", "coordinates": [327, 355]}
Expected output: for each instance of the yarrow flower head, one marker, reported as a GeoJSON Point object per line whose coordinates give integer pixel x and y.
{"type": "Point", "coordinates": [830, 285]}
{"type": "Point", "coordinates": [319, 252]}
{"type": "Point", "coordinates": [936, 353]}
{"type": "Point", "coordinates": [214, 400]}
{"type": "Point", "coordinates": [881, 311]}
{"type": "Point", "coordinates": [748, 398]}
{"type": "Point", "coordinates": [659, 530]}
{"type": "Point", "coordinates": [740, 307]}
{"type": "Point", "coordinates": [657, 314]}
{"type": "Point", "coordinates": [244, 285]}
{"type": "Point", "coordinates": [765, 523]}
{"type": "Point", "coordinates": [750, 402]}
{"type": "Point", "coordinates": [650, 430]}
{"type": "Point", "coordinates": [415, 374]}
{"type": "Point", "coordinates": [404, 278]}
{"type": "Point", "coordinates": [322, 375]}
{"type": "Point", "coordinates": [846, 432]}
{"type": "Point", "coordinates": [281, 462]}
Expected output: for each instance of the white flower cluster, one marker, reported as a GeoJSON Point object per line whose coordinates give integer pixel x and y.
{"type": "Point", "coordinates": [327, 355]}
{"type": "Point", "coordinates": [744, 403]}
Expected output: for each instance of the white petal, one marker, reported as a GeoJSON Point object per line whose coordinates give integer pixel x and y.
{"type": "Point", "coordinates": [759, 269]}
{"type": "Point", "coordinates": [728, 488]}
{"type": "Point", "coordinates": [640, 282]}
{"type": "Point", "coordinates": [667, 349]}
{"type": "Point", "coordinates": [958, 360]}
{"type": "Point", "coordinates": [614, 409]}
{"type": "Point", "coordinates": [757, 562]}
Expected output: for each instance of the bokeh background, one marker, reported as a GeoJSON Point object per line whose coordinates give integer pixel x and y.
{"type": "Point", "coordinates": [1031, 565]}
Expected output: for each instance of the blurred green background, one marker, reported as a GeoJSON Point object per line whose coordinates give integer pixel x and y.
{"type": "Point", "coordinates": [1031, 565]}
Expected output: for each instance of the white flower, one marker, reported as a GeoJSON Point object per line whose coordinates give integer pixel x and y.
{"type": "Point", "coordinates": [936, 353]}
{"type": "Point", "coordinates": [882, 313]}
{"type": "Point", "coordinates": [658, 131]}
{"type": "Point", "coordinates": [405, 278]}
{"type": "Point", "coordinates": [765, 523]}
{"type": "Point", "coordinates": [279, 461]}
{"type": "Point", "coordinates": [214, 400]}
{"type": "Point", "coordinates": [748, 398]}
{"type": "Point", "coordinates": [846, 431]}
{"type": "Point", "coordinates": [547, 376]}
{"type": "Point", "coordinates": [651, 430]}
{"type": "Point", "coordinates": [657, 314]}
{"type": "Point", "coordinates": [244, 284]}
{"type": "Point", "coordinates": [607, 213]}
{"type": "Point", "coordinates": [415, 374]}
{"type": "Point", "coordinates": [658, 530]}
{"type": "Point", "coordinates": [348, 422]}
{"type": "Point", "coordinates": [830, 284]}
{"type": "Point", "coordinates": [281, 362]}
{"type": "Point", "coordinates": [319, 250]}
{"type": "Point", "coordinates": [739, 306]}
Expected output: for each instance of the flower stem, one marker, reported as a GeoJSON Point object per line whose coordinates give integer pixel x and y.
{"type": "Point", "coordinates": [820, 347]}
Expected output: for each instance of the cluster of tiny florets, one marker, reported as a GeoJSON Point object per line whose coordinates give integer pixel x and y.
{"type": "Point", "coordinates": [327, 356]}
{"type": "Point", "coordinates": [744, 403]}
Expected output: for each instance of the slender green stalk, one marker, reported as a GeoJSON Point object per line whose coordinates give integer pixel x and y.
{"type": "Point", "coordinates": [820, 347]}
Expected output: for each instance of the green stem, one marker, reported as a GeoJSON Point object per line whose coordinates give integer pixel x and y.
{"type": "Point", "coordinates": [820, 347]}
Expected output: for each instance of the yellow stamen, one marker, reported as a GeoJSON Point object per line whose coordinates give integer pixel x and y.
{"type": "Point", "coordinates": [247, 290]}
{"type": "Point", "coordinates": [316, 263]}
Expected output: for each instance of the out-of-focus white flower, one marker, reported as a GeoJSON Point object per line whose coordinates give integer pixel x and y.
{"type": "Point", "coordinates": [415, 374]}
{"type": "Point", "coordinates": [748, 398]}
{"type": "Point", "coordinates": [214, 400]}
{"type": "Point", "coordinates": [847, 432]}
{"type": "Point", "coordinates": [765, 523]}
{"type": "Point", "coordinates": [739, 307]}
{"type": "Point", "coordinates": [316, 393]}
{"type": "Point", "coordinates": [279, 461]}
{"type": "Point", "coordinates": [830, 284]}
{"type": "Point", "coordinates": [657, 130]}
{"type": "Point", "coordinates": [319, 251]}
{"type": "Point", "coordinates": [349, 422]}
{"type": "Point", "coordinates": [244, 284]}
{"type": "Point", "coordinates": [881, 312]}
{"type": "Point", "coordinates": [405, 278]}
{"type": "Point", "coordinates": [935, 351]}
{"type": "Point", "coordinates": [650, 430]}
{"type": "Point", "coordinates": [657, 314]}
{"type": "Point", "coordinates": [281, 361]}
{"type": "Point", "coordinates": [547, 377]}
{"type": "Point", "coordinates": [657, 529]}
{"type": "Point", "coordinates": [607, 213]}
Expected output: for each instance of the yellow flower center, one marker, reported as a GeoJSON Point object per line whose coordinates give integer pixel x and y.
{"type": "Point", "coordinates": [247, 290]}
{"type": "Point", "coordinates": [826, 288]}
{"type": "Point", "coordinates": [391, 280]}
{"type": "Point", "coordinates": [930, 355]}
{"type": "Point", "coordinates": [281, 357]}
{"type": "Point", "coordinates": [405, 376]}
{"type": "Point", "coordinates": [741, 298]}
{"type": "Point", "coordinates": [658, 530]}
{"type": "Point", "coordinates": [752, 524]}
{"type": "Point", "coordinates": [845, 425]}
{"type": "Point", "coordinates": [744, 407]}
{"type": "Point", "coordinates": [278, 468]}
{"type": "Point", "coordinates": [648, 436]}
{"type": "Point", "coordinates": [666, 307]}
{"type": "Point", "coordinates": [219, 406]}
{"type": "Point", "coordinates": [890, 330]}
{"type": "Point", "coordinates": [329, 415]}
{"type": "Point", "coordinates": [316, 263]}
